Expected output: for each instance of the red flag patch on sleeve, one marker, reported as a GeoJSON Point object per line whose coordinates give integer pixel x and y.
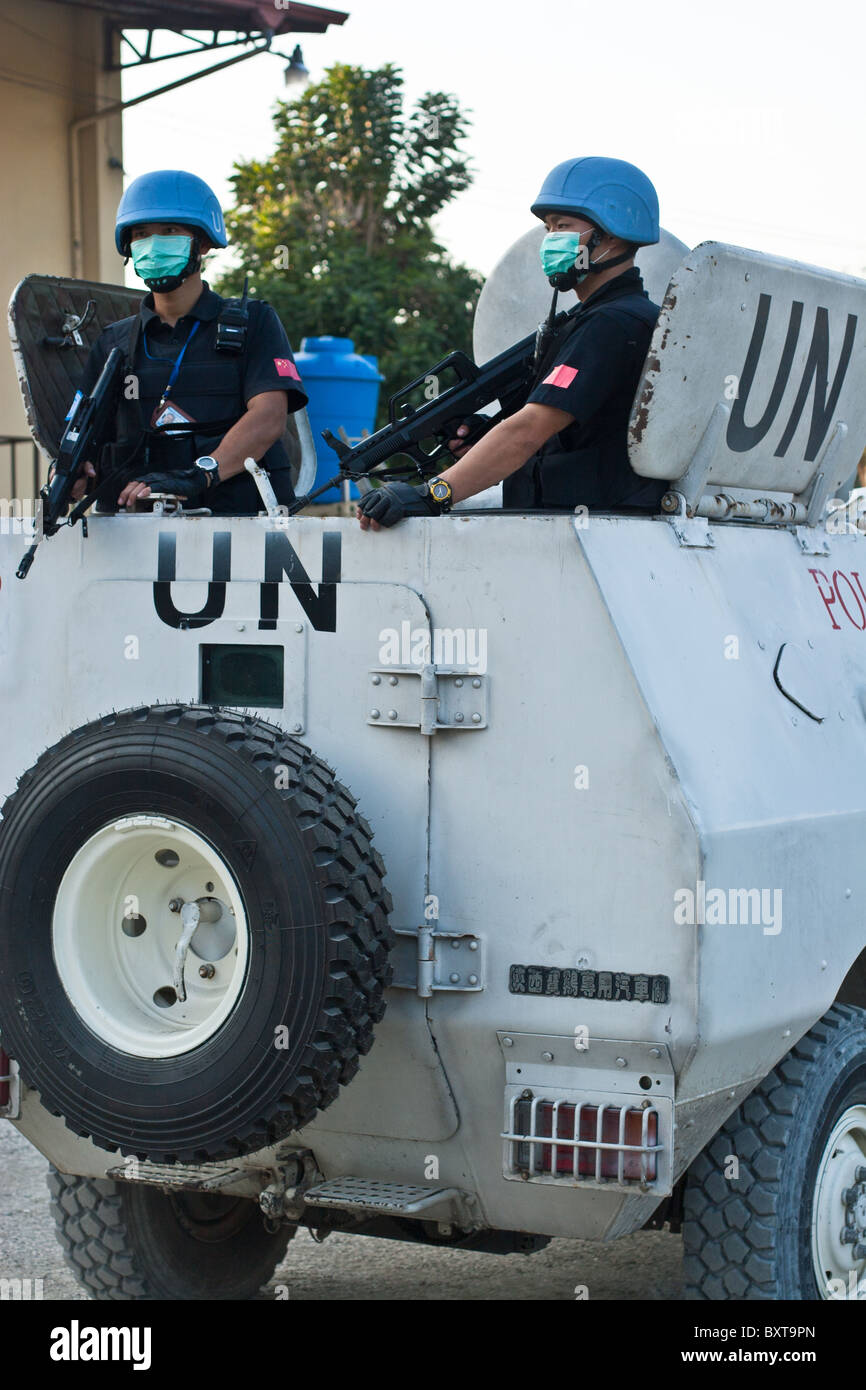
{"type": "Point", "coordinates": [286, 368]}
{"type": "Point", "coordinates": [560, 376]}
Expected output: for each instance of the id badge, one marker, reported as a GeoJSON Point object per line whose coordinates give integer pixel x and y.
{"type": "Point", "coordinates": [167, 413]}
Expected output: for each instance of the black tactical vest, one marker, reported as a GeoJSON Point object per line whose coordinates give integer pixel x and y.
{"type": "Point", "coordinates": [217, 379]}
{"type": "Point", "coordinates": [588, 462]}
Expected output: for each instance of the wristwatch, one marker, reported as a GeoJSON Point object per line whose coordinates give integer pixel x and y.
{"type": "Point", "coordinates": [209, 467]}
{"type": "Point", "coordinates": [440, 491]}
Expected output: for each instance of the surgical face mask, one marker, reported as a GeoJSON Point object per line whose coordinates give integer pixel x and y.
{"type": "Point", "coordinates": [160, 257]}
{"type": "Point", "coordinates": [559, 252]}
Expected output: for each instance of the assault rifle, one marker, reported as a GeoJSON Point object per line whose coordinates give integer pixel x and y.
{"type": "Point", "coordinates": [89, 424]}
{"type": "Point", "coordinates": [506, 379]}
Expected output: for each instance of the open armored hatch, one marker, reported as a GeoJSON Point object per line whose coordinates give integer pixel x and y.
{"type": "Point", "coordinates": [53, 323]}
{"type": "Point", "coordinates": [751, 404]}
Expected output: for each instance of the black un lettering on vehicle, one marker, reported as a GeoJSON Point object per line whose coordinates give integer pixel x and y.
{"type": "Point", "coordinates": [281, 561]}
{"type": "Point", "coordinates": [742, 437]}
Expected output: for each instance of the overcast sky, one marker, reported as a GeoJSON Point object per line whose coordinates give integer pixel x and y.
{"type": "Point", "coordinates": [748, 117]}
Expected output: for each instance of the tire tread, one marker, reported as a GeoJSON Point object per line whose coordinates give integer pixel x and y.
{"type": "Point", "coordinates": [729, 1231]}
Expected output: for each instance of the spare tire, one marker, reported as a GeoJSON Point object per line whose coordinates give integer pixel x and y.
{"type": "Point", "coordinates": [194, 939]}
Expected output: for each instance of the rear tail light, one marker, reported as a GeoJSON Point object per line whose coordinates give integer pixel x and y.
{"type": "Point", "coordinates": [571, 1139]}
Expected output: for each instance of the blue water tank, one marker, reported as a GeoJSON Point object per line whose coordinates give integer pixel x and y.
{"type": "Point", "coordinates": [343, 387]}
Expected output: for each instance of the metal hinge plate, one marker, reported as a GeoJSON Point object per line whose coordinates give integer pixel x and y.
{"type": "Point", "coordinates": [812, 540]}
{"type": "Point", "coordinates": [692, 531]}
{"type": "Point", "coordinates": [429, 960]}
{"type": "Point", "coordinates": [421, 697]}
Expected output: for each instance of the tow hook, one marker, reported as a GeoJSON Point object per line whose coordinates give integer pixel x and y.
{"type": "Point", "coordinates": [283, 1199]}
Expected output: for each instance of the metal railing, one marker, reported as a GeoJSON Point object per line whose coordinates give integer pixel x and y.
{"type": "Point", "coordinates": [21, 467]}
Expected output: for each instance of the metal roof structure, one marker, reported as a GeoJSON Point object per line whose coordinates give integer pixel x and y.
{"type": "Point", "coordinates": [241, 16]}
{"type": "Point", "coordinates": [236, 20]}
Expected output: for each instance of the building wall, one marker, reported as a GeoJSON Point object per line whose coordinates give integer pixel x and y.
{"type": "Point", "coordinates": [51, 73]}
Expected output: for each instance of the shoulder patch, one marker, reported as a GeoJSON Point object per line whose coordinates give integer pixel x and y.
{"type": "Point", "coordinates": [286, 368]}
{"type": "Point", "coordinates": [562, 375]}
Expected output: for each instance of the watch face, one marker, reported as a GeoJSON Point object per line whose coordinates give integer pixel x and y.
{"type": "Point", "coordinates": [441, 491]}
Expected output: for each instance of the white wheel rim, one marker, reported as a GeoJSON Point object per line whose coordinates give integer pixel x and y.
{"type": "Point", "coordinates": [837, 1272]}
{"type": "Point", "coordinates": [119, 975]}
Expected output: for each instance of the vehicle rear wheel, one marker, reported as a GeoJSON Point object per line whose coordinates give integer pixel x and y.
{"type": "Point", "coordinates": [194, 939]}
{"type": "Point", "coordinates": [788, 1219]}
{"type": "Point", "coordinates": [131, 1241]}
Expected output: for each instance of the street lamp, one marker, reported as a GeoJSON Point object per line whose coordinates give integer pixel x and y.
{"type": "Point", "coordinates": [296, 74]}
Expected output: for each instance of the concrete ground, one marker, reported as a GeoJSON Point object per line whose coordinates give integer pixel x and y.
{"type": "Point", "coordinates": [645, 1266]}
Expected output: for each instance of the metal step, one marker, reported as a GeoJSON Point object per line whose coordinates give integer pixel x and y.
{"type": "Point", "coordinates": [205, 1177]}
{"type": "Point", "coordinates": [366, 1194]}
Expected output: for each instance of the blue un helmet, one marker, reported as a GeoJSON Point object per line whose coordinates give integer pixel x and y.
{"type": "Point", "coordinates": [611, 193]}
{"type": "Point", "coordinates": [169, 195]}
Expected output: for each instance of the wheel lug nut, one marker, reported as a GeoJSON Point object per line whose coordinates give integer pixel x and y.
{"type": "Point", "coordinates": [860, 1175]}
{"type": "Point", "coordinates": [859, 1251]}
{"type": "Point", "coordinates": [849, 1235]}
{"type": "Point", "coordinates": [849, 1196]}
{"type": "Point", "coordinates": [207, 972]}
{"type": "Point", "coordinates": [175, 905]}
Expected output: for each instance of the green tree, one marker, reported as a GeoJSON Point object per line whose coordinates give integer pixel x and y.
{"type": "Point", "coordinates": [346, 199]}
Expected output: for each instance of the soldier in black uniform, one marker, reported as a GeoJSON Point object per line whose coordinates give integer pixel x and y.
{"type": "Point", "coordinates": [568, 443]}
{"type": "Point", "coordinates": [212, 379]}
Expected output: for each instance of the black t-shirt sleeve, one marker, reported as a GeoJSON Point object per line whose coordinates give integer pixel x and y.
{"type": "Point", "coordinates": [270, 365]}
{"type": "Point", "coordinates": [587, 369]}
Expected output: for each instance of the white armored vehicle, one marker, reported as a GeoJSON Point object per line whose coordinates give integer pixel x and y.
{"type": "Point", "coordinates": [491, 879]}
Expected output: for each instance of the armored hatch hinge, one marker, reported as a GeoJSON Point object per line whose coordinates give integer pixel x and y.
{"type": "Point", "coordinates": [422, 697]}
{"type": "Point", "coordinates": [812, 540]}
{"type": "Point", "coordinates": [429, 960]}
{"type": "Point", "coordinates": [692, 531]}
{"type": "Point", "coordinates": [818, 494]}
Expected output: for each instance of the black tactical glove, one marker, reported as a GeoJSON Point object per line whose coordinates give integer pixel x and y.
{"type": "Point", "coordinates": [394, 501]}
{"type": "Point", "coordinates": [189, 483]}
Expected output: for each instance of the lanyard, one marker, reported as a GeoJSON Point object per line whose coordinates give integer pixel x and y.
{"type": "Point", "coordinates": [176, 367]}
